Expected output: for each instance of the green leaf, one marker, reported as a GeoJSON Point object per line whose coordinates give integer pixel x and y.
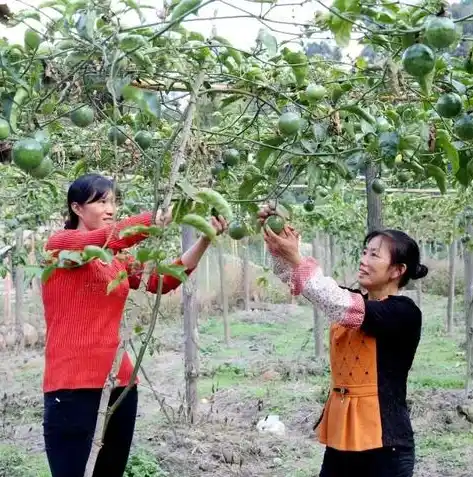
{"type": "Point", "coordinates": [116, 86]}
{"type": "Point", "coordinates": [92, 252]}
{"type": "Point", "coordinates": [85, 24]}
{"type": "Point", "coordinates": [443, 140]}
{"type": "Point", "coordinates": [439, 176]}
{"type": "Point", "coordinates": [134, 6]}
{"type": "Point", "coordinates": [47, 273]}
{"type": "Point", "coordinates": [131, 93]}
{"type": "Point", "coordinates": [74, 258]}
{"type": "Point", "coordinates": [142, 255]}
{"type": "Point", "coordinates": [264, 152]}
{"type": "Point", "coordinates": [182, 208]}
{"type": "Point", "coordinates": [248, 185]}
{"type": "Point", "coordinates": [121, 276]}
{"type": "Point", "coordinates": [150, 103]}
{"type": "Point", "coordinates": [269, 41]}
{"type": "Point", "coordinates": [146, 100]}
{"type": "Point", "coordinates": [176, 271]}
{"type": "Point", "coordinates": [187, 188]}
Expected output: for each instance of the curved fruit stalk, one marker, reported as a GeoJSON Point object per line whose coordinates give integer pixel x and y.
{"type": "Point", "coordinates": [199, 223]}
{"type": "Point", "coordinates": [215, 200]}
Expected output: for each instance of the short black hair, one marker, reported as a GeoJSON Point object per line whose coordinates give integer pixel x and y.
{"type": "Point", "coordinates": [404, 250]}
{"type": "Point", "coordinates": [86, 189]}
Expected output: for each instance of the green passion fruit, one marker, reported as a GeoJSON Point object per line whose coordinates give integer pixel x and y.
{"type": "Point", "coordinates": [83, 116]}
{"type": "Point", "coordinates": [440, 32]}
{"type": "Point", "coordinates": [27, 154]}
{"type": "Point", "coordinates": [4, 129]}
{"type": "Point", "coordinates": [309, 205]}
{"type": "Point", "coordinates": [463, 127]}
{"type": "Point", "coordinates": [449, 105]}
{"type": "Point", "coordinates": [275, 223]}
{"type": "Point", "coordinates": [378, 186]}
{"type": "Point", "coordinates": [143, 139]}
{"type": "Point", "coordinates": [237, 230]}
{"type": "Point", "coordinates": [230, 157]}
{"type": "Point", "coordinates": [418, 60]}
{"type": "Point", "coordinates": [315, 92]}
{"type": "Point", "coordinates": [289, 123]}
{"type": "Point", "coordinates": [44, 169]}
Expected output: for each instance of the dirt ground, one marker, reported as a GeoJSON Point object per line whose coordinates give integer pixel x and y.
{"type": "Point", "coordinates": [268, 369]}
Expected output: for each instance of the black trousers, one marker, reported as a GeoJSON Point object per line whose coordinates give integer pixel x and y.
{"type": "Point", "coordinates": [383, 462]}
{"type": "Point", "coordinates": [69, 425]}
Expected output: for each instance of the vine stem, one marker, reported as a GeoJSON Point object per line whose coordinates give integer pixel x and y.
{"type": "Point", "coordinates": [97, 440]}
{"type": "Point", "coordinates": [186, 132]}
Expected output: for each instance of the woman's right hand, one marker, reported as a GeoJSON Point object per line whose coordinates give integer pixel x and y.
{"type": "Point", "coordinates": [265, 211]}
{"type": "Point", "coordinates": [164, 219]}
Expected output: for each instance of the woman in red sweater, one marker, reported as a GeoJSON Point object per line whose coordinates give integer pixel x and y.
{"type": "Point", "coordinates": [83, 328]}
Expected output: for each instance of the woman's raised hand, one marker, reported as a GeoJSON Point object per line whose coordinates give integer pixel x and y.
{"type": "Point", "coordinates": [164, 219]}
{"type": "Point", "coordinates": [219, 224]}
{"type": "Point", "coordinates": [284, 245]}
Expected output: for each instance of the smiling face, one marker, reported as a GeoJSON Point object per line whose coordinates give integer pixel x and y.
{"type": "Point", "coordinates": [376, 271]}
{"type": "Point", "coordinates": [96, 213]}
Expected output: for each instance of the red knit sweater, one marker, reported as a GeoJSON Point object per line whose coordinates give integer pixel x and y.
{"type": "Point", "coordinates": [82, 321]}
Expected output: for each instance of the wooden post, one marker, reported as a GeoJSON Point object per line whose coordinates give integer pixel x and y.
{"type": "Point", "coordinates": [191, 358]}
{"type": "Point", "coordinates": [468, 259]}
{"type": "Point", "coordinates": [223, 292]}
{"type": "Point", "coordinates": [246, 272]}
{"type": "Point", "coordinates": [19, 291]}
{"type": "Point", "coordinates": [451, 284]}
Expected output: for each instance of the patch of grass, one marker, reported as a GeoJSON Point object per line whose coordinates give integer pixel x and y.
{"type": "Point", "coordinates": [143, 464]}
{"type": "Point", "coordinates": [15, 463]}
{"type": "Point", "coordinates": [439, 362]}
{"type": "Point", "coordinates": [448, 448]}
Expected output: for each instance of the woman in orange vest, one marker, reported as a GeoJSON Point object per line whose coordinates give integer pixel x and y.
{"type": "Point", "coordinates": [83, 329]}
{"type": "Point", "coordinates": [365, 424]}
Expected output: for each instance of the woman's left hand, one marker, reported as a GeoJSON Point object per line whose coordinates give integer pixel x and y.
{"type": "Point", "coordinates": [219, 224]}
{"type": "Point", "coordinates": [285, 245]}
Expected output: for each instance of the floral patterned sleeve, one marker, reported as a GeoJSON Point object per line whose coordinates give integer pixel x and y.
{"type": "Point", "coordinates": [307, 279]}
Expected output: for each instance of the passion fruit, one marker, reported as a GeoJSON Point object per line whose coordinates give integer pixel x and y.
{"type": "Point", "coordinates": [217, 170]}
{"type": "Point", "coordinates": [231, 157]}
{"type": "Point", "coordinates": [440, 32]}
{"type": "Point", "coordinates": [309, 205]}
{"type": "Point", "coordinates": [144, 139]}
{"type": "Point", "coordinates": [449, 105]}
{"type": "Point", "coordinates": [403, 177]}
{"type": "Point", "coordinates": [463, 127]}
{"type": "Point", "coordinates": [32, 39]}
{"type": "Point", "coordinates": [83, 116]}
{"type": "Point", "coordinates": [418, 60]}
{"type": "Point", "coordinates": [237, 230]}
{"type": "Point", "coordinates": [4, 129]}
{"type": "Point", "coordinates": [315, 92]}
{"type": "Point", "coordinates": [44, 169]}
{"type": "Point", "coordinates": [378, 186]}
{"type": "Point", "coordinates": [275, 223]}
{"type": "Point", "coordinates": [27, 154]}
{"type": "Point", "coordinates": [289, 123]}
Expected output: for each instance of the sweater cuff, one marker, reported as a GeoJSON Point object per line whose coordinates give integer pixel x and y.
{"type": "Point", "coordinates": [302, 273]}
